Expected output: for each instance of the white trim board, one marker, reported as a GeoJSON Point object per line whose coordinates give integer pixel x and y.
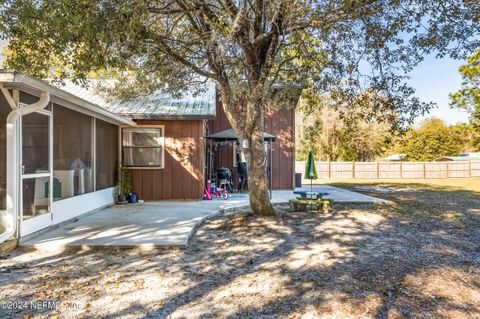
{"type": "Point", "coordinates": [69, 208]}
{"type": "Point", "coordinates": [34, 224]}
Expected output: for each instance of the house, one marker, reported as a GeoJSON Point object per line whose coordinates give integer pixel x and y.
{"type": "Point", "coordinates": [466, 156]}
{"type": "Point", "coordinates": [395, 158]}
{"type": "Point", "coordinates": [75, 141]}
{"type": "Point", "coordinates": [472, 155]}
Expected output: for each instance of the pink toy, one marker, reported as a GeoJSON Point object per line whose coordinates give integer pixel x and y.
{"type": "Point", "coordinates": [221, 192]}
{"type": "Point", "coordinates": [207, 191]}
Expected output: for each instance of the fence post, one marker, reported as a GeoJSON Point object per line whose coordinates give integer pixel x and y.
{"type": "Point", "coordinates": [353, 169]}
{"type": "Point", "coordinates": [424, 171]}
{"type": "Point", "coordinates": [401, 170]}
{"type": "Point", "coordinates": [469, 168]}
{"type": "Point", "coordinates": [329, 169]}
{"type": "Point", "coordinates": [378, 171]}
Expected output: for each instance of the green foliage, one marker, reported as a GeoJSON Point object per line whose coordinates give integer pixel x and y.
{"type": "Point", "coordinates": [468, 97]}
{"type": "Point", "coordinates": [434, 139]}
{"type": "Point", "coordinates": [124, 184]}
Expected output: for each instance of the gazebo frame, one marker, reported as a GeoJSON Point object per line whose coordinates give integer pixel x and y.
{"type": "Point", "coordinates": [229, 137]}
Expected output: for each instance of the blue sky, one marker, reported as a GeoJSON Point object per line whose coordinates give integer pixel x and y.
{"type": "Point", "coordinates": [434, 79]}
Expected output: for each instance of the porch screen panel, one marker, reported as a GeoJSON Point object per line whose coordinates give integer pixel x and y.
{"type": "Point", "coordinates": [35, 137]}
{"type": "Point", "coordinates": [72, 152]}
{"type": "Point", "coordinates": [107, 154]}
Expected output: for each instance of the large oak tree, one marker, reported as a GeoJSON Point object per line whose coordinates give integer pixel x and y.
{"type": "Point", "coordinates": [247, 47]}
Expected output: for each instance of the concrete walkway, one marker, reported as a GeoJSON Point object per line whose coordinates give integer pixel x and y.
{"type": "Point", "coordinates": [155, 224]}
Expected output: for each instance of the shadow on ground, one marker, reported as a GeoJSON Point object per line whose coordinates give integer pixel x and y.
{"type": "Point", "coordinates": [395, 260]}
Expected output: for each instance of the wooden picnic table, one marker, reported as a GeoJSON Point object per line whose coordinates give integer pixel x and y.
{"type": "Point", "coordinates": [308, 198]}
{"type": "Point", "coordinates": [304, 194]}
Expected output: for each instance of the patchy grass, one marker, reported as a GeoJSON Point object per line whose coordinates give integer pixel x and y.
{"type": "Point", "coordinates": [469, 184]}
{"type": "Point", "coordinates": [417, 257]}
{"type": "Point", "coordinates": [458, 207]}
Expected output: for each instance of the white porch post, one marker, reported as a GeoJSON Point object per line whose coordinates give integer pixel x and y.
{"type": "Point", "coordinates": [13, 162]}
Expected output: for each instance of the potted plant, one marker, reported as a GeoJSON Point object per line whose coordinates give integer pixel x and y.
{"type": "Point", "coordinates": [124, 186]}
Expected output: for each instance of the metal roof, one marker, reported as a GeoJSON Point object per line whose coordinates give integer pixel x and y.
{"type": "Point", "coordinates": [13, 78]}
{"type": "Point", "coordinates": [456, 158]}
{"type": "Point", "coordinates": [156, 106]}
{"type": "Point", "coordinates": [395, 157]}
{"type": "Point", "coordinates": [229, 135]}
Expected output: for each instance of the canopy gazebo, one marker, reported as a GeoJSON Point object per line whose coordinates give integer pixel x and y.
{"type": "Point", "coordinates": [228, 136]}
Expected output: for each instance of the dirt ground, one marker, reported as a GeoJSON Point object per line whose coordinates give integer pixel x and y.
{"type": "Point", "coordinates": [415, 257]}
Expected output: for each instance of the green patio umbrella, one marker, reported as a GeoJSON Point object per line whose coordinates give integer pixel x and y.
{"type": "Point", "coordinates": [310, 170]}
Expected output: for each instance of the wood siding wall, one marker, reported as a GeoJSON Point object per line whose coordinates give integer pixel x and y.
{"type": "Point", "coordinates": [183, 175]}
{"type": "Point", "coordinates": [280, 123]}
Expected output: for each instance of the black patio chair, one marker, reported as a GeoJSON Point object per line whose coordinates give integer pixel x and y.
{"type": "Point", "coordinates": [242, 176]}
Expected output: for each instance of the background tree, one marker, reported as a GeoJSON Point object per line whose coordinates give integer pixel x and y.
{"type": "Point", "coordinates": [338, 133]}
{"type": "Point", "coordinates": [434, 139]}
{"type": "Point", "coordinates": [468, 97]}
{"type": "Point", "coordinates": [244, 46]}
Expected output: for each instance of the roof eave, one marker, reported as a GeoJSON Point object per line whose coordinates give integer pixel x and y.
{"type": "Point", "coordinates": [168, 117]}
{"type": "Point", "coordinates": [14, 77]}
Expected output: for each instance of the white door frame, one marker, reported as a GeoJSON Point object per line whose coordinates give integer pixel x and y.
{"type": "Point", "coordinates": [37, 223]}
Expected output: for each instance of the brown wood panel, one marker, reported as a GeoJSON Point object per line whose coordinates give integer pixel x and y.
{"type": "Point", "coordinates": [280, 123]}
{"type": "Point", "coordinates": [157, 184]}
{"type": "Point", "coordinates": [166, 186]}
{"type": "Point", "coordinates": [186, 134]}
{"type": "Point", "coordinates": [182, 177]}
{"type": "Point", "coordinates": [147, 184]}
{"type": "Point", "coordinates": [136, 176]}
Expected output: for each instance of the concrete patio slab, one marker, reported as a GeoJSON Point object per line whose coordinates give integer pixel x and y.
{"type": "Point", "coordinates": [166, 224]}
{"type": "Point", "coordinates": [343, 195]}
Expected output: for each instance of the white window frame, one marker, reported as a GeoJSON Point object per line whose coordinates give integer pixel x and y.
{"type": "Point", "coordinates": [120, 140]}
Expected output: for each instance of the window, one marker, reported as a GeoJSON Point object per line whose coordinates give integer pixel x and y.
{"type": "Point", "coordinates": [143, 147]}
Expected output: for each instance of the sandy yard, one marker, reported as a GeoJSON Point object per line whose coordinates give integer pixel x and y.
{"type": "Point", "coordinates": [416, 257]}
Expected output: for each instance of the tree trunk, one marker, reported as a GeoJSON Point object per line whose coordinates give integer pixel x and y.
{"type": "Point", "coordinates": [248, 124]}
{"type": "Point", "coordinates": [257, 177]}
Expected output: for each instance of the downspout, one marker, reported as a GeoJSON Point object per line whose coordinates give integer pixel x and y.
{"type": "Point", "coordinates": [13, 164]}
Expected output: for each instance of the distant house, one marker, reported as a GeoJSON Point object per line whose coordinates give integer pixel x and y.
{"type": "Point", "coordinates": [471, 154]}
{"type": "Point", "coordinates": [463, 157]}
{"type": "Point", "coordinates": [70, 139]}
{"type": "Point", "coordinates": [395, 158]}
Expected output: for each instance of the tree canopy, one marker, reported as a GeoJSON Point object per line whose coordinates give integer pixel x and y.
{"type": "Point", "coordinates": [333, 45]}
{"type": "Point", "coordinates": [434, 139]}
{"type": "Point", "coordinates": [339, 133]}
{"type": "Point", "coordinates": [343, 47]}
{"type": "Point", "coordinates": [468, 97]}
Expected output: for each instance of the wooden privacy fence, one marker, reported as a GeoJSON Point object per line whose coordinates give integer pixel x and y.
{"type": "Point", "coordinates": [378, 170]}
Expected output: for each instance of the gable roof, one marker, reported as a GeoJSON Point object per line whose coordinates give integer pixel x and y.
{"type": "Point", "coordinates": [157, 106]}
